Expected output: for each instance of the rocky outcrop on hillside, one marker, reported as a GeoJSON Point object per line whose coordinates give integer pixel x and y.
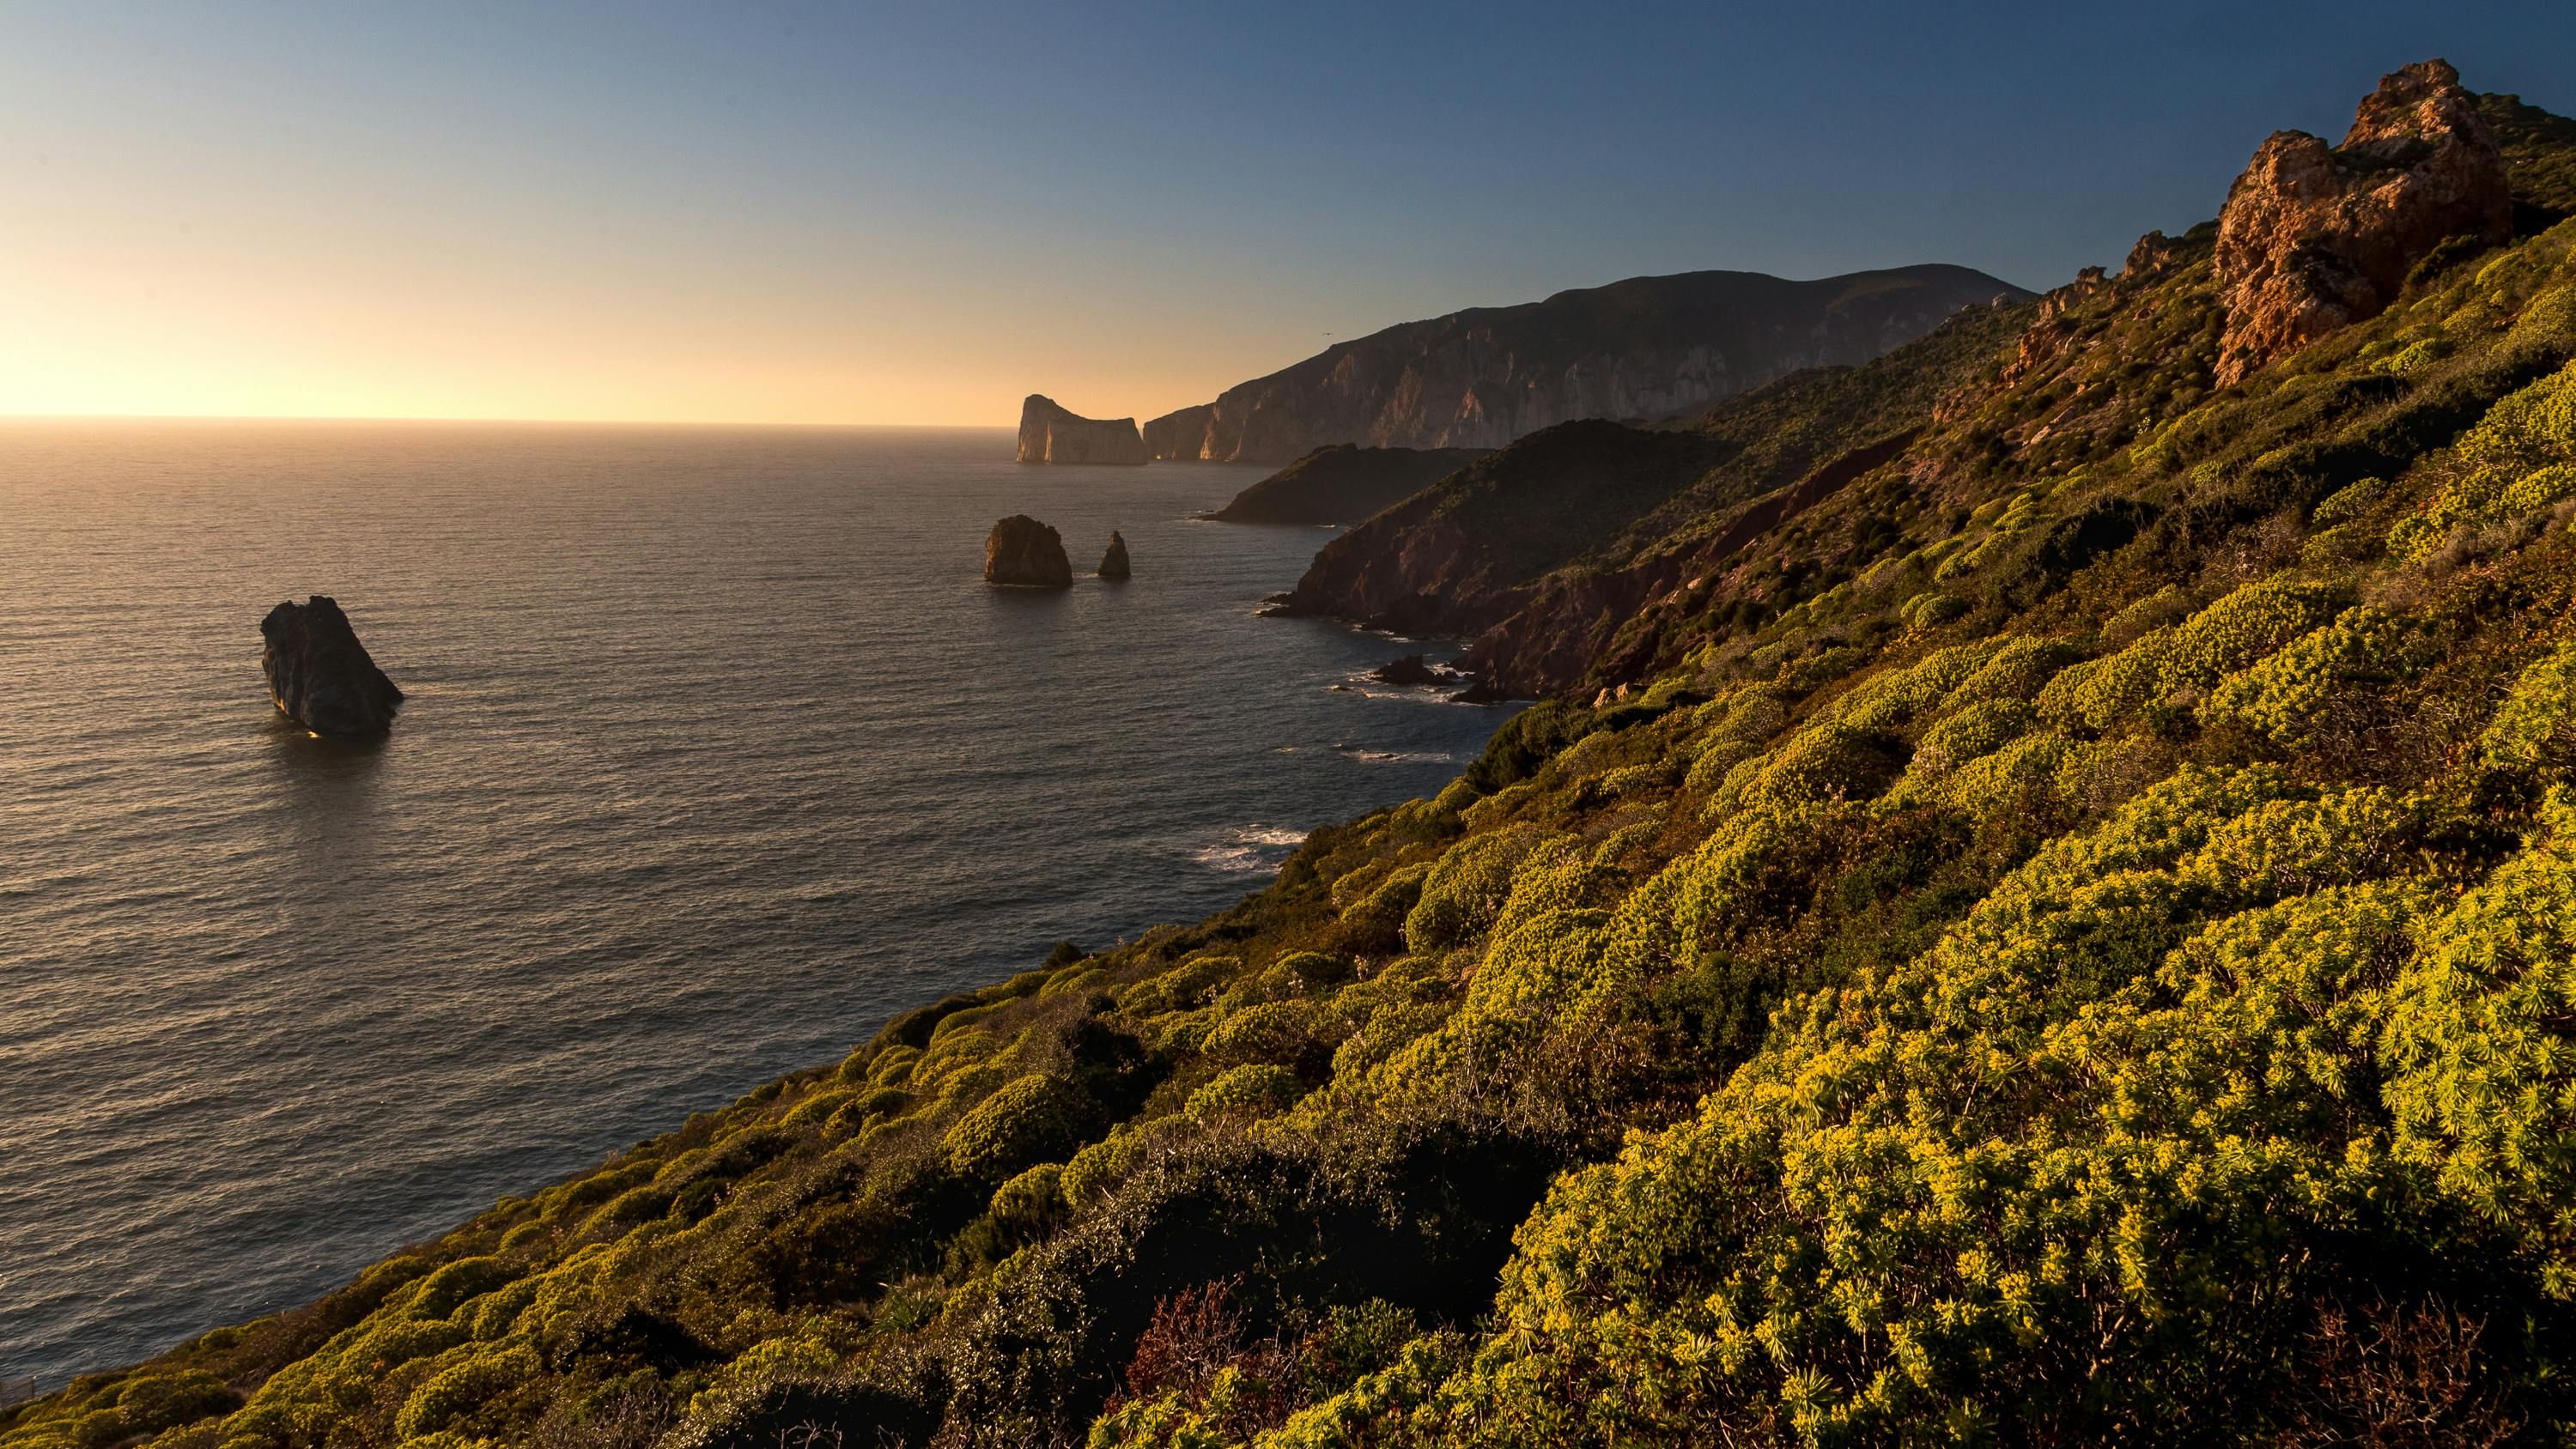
{"type": "Point", "coordinates": [1023, 552]}
{"type": "Point", "coordinates": [1050, 434]}
{"type": "Point", "coordinates": [1643, 349]}
{"type": "Point", "coordinates": [320, 675]}
{"type": "Point", "coordinates": [2316, 237]}
{"type": "Point", "coordinates": [1114, 564]}
{"type": "Point", "coordinates": [1344, 484]}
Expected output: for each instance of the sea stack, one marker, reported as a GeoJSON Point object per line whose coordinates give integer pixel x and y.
{"type": "Point", "coordinates": [1113, 564]}
{"type": "Point", "coordinates": [1050, 434]}
{"type": "Point", "coordinates": [319, 673]}
{"type": "Point", "coordinates": [1024, 552]}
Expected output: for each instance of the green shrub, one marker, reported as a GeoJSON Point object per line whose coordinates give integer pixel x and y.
{"type": "Point", "coordinates": [1101, 1166]}
{"type": "Point", "coordinates": [1029, 1119]}
{"type": "Point", "coordinates": [1467, 886]}
{"type": "Point", "coordinates": [1032, 1200]}
{"type": "Point", "coordinates": [1256, 1090]}
{"type": "Point", "coordinates": [458, 1390]}
{"type": "Point", "coordinates": [2289, 695]}
{"type": "Point", "coordinates": [2537, 722]}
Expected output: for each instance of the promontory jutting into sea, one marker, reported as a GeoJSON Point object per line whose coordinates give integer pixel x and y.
{"type": "Point", "coordinates": [1714, 859]}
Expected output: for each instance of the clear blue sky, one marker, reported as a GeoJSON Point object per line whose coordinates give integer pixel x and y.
{"type": "Point", "coordinates": [919, 212]}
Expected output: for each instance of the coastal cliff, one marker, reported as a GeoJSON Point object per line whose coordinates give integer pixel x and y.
{"type": "Point", "coordinates": [1643, 349]}
{"type": "Point", "coordinates": [1050, 434]}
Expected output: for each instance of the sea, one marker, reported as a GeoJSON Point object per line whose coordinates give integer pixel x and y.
{"type": "Point", "coordinates": [717, 752]}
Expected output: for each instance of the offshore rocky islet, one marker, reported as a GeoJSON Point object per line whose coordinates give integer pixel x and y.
{"type": "Point", "coordinates": [2065, 938]}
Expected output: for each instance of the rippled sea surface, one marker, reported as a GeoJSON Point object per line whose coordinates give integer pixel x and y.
{"type": "Point", "coordinates": [717, 753]}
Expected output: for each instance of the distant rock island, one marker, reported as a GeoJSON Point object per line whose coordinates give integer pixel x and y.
{"type": "Point", "coordinates": [1644, 349]}
{"type": "Point", "coordinates": [1113, 564]}
{"type": "Point", "coordinates": [1343, 483]}
{"type": "Point", "coordinates": [319, 673]}
{"type": "Point", "coordinates": [1026, 553]}
{"type": "Point", "coordinates": [1050, 434]}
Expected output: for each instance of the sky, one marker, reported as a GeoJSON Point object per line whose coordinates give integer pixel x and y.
{"type": "Point", "coordinates": [752, 212]}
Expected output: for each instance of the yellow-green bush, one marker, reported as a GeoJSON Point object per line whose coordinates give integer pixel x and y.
{"type": "Point", "coordinates": [2482, 1047]}
{"type": "Point", "coordinates": [1028, 1119]}
{"type": "Point", "coordinates": [457, 1390]}
{"type": "Point", "coordinates": [2537, 722]}
{"type": "Point", "coordinates": [1276, 1031]}
{"type": "Point", "coordinates": [2288, 695]}
{"type": "Point", "coordinates": [1467, 886]}
{"type": "Point", "coordinates": [1255, 1090]}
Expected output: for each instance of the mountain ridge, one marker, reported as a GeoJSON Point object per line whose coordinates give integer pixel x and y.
{"type": "Point", "coordinates": [1641, 348]}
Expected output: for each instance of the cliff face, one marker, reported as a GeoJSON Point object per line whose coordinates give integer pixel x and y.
{"type": "Point", "coordinates": [1538, 551]}
{"type": "Point", "coordinates": [2315, 237]}
{"type": "Point", "coordinates": [1050, 434]}
{"type": "Point", "coordinates": [1642, 349]}
{"type": "Point", "coordinates": [1344, 484]}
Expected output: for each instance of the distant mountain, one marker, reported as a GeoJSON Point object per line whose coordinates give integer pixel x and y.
{"type": "Point", "coordinates": [1642, 349]}
{"type": "Point", "coordinates": [1344, 484]}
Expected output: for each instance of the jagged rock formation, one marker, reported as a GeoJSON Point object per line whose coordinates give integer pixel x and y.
{"type": "Point", "coordinates": [1050, 434]}
{"type": "Point", "coordinates": [1344, 484]}
{"type": "Point", "coordinates": [1416, 671]}
{"type": "Point", "coordinates": [1114, 564]}
{"type": "Point", "coordinates": [2315, 237]}
{"type": "Point", "coordinates": [1024, 552]}
{"type": "Point", "coordinates": [319, 673]}
{"type": "Point", "coordinates": [1642, 349]}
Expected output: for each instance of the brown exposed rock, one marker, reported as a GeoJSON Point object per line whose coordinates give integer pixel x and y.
{"type": "Point", "coordinates": [1050, 434]}
{"type": "Point", "coordinates": [2154, 252]}
{"type": "Point", "coordinates": [2050, 334]}
{"type": "Point", "coordinates": [319, 673]}
{"type": "Point", "coordinates": [2317, 237]}
{"type": "Point", "coordinates": [1022, 551]}
{"type": "Point", "coordinates": [1113, 564]}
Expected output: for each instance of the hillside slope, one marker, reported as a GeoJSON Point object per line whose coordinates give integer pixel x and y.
{"type": "Point", "coordinates": [1344, 484]}
{"type": "Point", "coordinates": [1645, 348]}
{"type": "Point", "coordinates": [2069, 937]}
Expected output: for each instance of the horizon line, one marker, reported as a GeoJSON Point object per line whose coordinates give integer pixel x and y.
{"type": "Point", "coordinates": [9, 417]}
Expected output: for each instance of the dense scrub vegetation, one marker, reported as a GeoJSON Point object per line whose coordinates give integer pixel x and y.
{"type": "Point", "coordinates": [2092, 958]}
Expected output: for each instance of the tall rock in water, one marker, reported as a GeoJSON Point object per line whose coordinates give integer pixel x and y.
{"type": "Point", "coordinates": [1113, 564]}
{"type": "Point", "coordinates": [1049, 434]}
{"type": "Point", "coordinates": [1022, 551]}
{"type": "Point", "coordinates": [319, 673]}
{"type": "Point", "coordinates": [2317, 237]}
{"type": "Point", "coordinates": [1644, 349]}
